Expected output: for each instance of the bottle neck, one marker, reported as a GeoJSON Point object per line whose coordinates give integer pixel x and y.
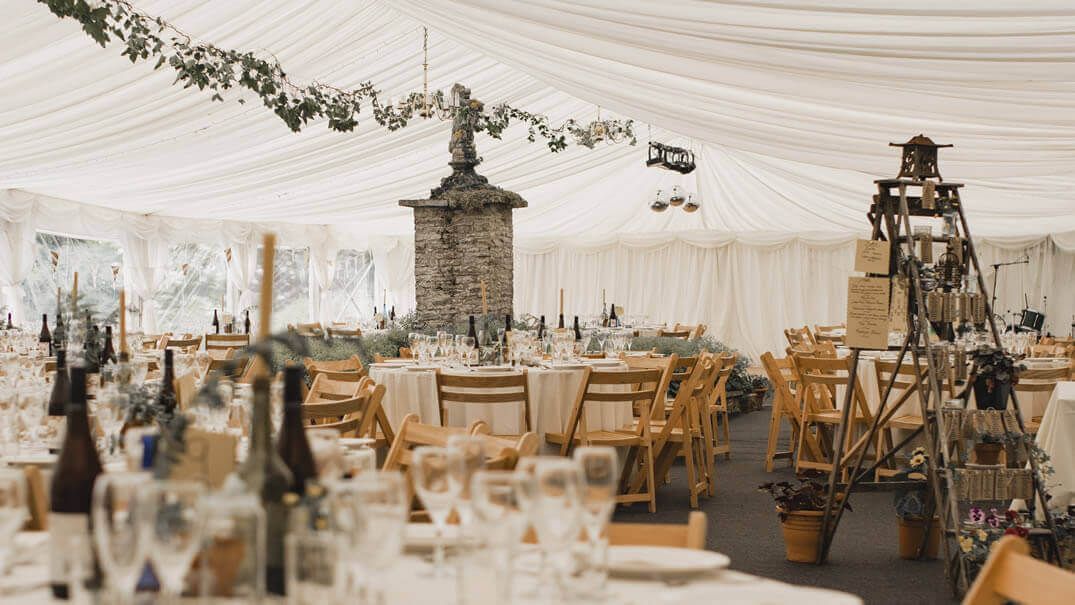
{"type": "Point", "coordinates": [260, 425]}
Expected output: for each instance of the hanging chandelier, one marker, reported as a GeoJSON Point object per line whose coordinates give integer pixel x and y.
{"type": "Point", "coordinates": [677, 198]}
{"type": "Point", "coordinates": [444, 107]}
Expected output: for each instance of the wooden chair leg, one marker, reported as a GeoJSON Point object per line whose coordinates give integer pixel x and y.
{"type": "Point", "coordinates": [651, 485]}
{"type": "Point", "coordinates": [774, 435]}
{"type": "Point", "coordinates": [727, 433]}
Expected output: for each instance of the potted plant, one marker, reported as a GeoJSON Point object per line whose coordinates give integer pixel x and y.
{"type": "Point", "coordinates": [911, 512]}
{"type": "Point", "coordinates": [994, 374]}
{"type": "Point", "coordinates": [800, 509]}
{"type": "Point", "coordinates": [987, 451]}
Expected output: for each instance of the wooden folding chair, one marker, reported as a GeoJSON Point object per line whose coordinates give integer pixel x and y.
{"type": "Point", "coordinates": [719, 418]}
{"type": "Point", "coordinates": [224, 342]}
{"type": "Point", "coordinates": [1039, 381]}
{"type": "Point", "coordinates": [509, 389]}
{"type": "Point", "coordinates": [357, 416]}
{"type": "Point", "coordinates": [785, 381]}
{"type": "Point", "coordinates": [904, 390]}
{"type": "Point", "coordinates": [685, 433]}
{"type": "Point", "coordinates": [308, 329]}
{"type": "Point", "coordinates": [338, 366]}
{"type": "Point", "coordinates": [335, 332]}
{"type": "Point", "coordinates": [690, 535]}
{"type": "Point", "coordinates": [1011, 575]}
{"type": "Point", "coordinates": [668, 365]}
{"type": "Point", "coordinates": [818, 379]}
{"type": "Point", "coordinates": [186, 345]}
{"type": "Point", "coordinates": [325, 389]}
{"type": "Point", "coordinates": [799, 336]}
{"type": "Point", "coordinates": [639, 389]}
{"type": "Point", "coordinates": [674, 333]}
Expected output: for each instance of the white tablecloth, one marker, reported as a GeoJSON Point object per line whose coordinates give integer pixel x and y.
{"type": "Point", "coordinates": [1056, 437]}
{"type": "Point", "coordinates": [408, 583]}
{"type": "Point", "coordinates": [552, 394]}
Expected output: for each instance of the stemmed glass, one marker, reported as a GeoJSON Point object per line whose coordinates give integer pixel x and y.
{"type": "Point", "coordinates": [13, 510]}
{"type": "Point", "coordinates": [469, 458]}
{"type": "Point", "coordinates": [558, 511]}
{"type": "Point", "coordinates": [598, 468]}
{"type": "Point", "coordinates": [495, 497]}
{"type": "Point", "coordinates": [371, 511]}
{"type": "Point", "coordinates": [111, 410]}
{"type": "Point", "coordinates": [175, 529]}
{"type": "Point", "coordinates": [120, 531]}
{"type": "Point", "coordinates": [468, 350]}
{"type": "Point", "coordinates": [431, 469]}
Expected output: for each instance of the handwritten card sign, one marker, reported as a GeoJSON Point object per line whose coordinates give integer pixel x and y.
{"type": "Point", "coordinates": [871, 256]}
{"type": "Point", "coordinates": [209, 457]}
{"type": "Point", "coordinates": [867, 312]}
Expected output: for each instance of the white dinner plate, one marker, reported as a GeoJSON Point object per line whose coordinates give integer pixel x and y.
{"type": "Point", "coordinates": [602, 363]}
{"type": "Point", "coordinates": [663, 561]}
{"type": "Point", "coordinates": [41, 459]}
{"type": "Point", "coordinates": [389, 365]}
{"type": "Point", "coordinates": [354, 443]}
{"type": "Point", "coordinates": [566, 366]}
{"type": "Point", "coordinates": [421, 368]}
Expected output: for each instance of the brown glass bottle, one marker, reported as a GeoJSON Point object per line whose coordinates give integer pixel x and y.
{"type": "Point", "coordinates": [71, 492]}
{"type": "Point", "coordinates": [166, 395]}
{"type": "Point", "coordinates": [291, 443]}
{"type": "Point", "coordinates": [61, 386]}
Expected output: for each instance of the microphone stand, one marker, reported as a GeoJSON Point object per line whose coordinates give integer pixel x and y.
{"type": "Point", "coordinates": [996, 273]}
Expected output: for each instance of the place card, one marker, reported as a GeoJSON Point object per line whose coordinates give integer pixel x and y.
{"type": "Point", "coordinates": [867, 312]}
{"type": "Point", "coordinates": [872, 256]}
{"type": "Point", "coordinates": [209, 457]}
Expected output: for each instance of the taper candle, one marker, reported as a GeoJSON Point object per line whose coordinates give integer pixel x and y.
{"type": "Point", "coordinates": [268, 257]}
{"type": "Point", "coordinates": [561, 301]}
{"type": "Point", "coordinates": [122, 320]}
{"type": "Point", "coordinates": [74, 289]}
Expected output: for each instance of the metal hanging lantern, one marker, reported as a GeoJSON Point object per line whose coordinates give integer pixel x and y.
{"type": "Point", "coordinates": [676, 199]}
{"type": "Point", "coordinates": [659, 205]}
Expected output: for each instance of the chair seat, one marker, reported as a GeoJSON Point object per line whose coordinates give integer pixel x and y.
{"type": "Point", "coordinates": [613, 438]}
{"type": "Point", "coordinates": [827, 417]}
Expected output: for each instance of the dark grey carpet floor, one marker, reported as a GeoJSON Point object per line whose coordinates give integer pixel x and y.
{"type": "Point", "coordinates": [744, 526]}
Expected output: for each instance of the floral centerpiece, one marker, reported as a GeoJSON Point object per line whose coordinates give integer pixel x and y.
{"type": "Point", "coordinates": [800, 508]}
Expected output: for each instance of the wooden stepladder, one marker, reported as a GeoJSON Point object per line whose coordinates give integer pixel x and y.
{"type": "Point", "coordinates": [932, 295]}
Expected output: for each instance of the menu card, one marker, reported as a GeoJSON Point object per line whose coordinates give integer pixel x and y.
{"type": "Point", "coordinates": [209, 457]}
{"type": "Point", "coordinates": [867, 312]}
{"type": "Point", "coordinates": [872, 256]}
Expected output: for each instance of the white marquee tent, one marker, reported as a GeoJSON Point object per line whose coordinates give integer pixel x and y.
{"type": "Point", "coordinates": [788, 104]}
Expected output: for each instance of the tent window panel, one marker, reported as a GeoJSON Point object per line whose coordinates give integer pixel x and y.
{"type": "Point", "coordinates": [191, 288]}
{"type": "Point", "coordinates": [351, 297]}
{"type": "Point", "coordinates": [290, 287]}
{"type": "Point", "coordinates": [57, 259]}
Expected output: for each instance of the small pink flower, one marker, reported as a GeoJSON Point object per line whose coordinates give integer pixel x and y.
{"type": "Point", "coordinates": [976, 515]}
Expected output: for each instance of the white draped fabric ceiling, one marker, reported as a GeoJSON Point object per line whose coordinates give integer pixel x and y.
{"type": "Point", "coordinates": [789, 105]}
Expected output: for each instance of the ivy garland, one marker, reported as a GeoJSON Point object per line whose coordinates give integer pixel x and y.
{"type": "Point", "coordinates": [211, 68]}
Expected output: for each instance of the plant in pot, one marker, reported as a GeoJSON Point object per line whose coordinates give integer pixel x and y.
{"type": "Point", "coordinates": [994, 374]}
{"type": "Point", "coordinates": [800, 508]}
{"type": "Point", "coordinates": [911, 511]}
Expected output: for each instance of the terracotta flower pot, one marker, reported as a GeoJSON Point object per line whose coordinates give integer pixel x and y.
{"type": "Point", "coordinates": [802, 535]}
{"type": "Point", "coordinates": [913, 531]}
{"type": "Point", "coordinates": [988, 453]}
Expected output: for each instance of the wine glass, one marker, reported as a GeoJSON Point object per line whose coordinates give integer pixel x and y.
{"type": "Point", "coordinates": [431, 470]}
{"type": "Point", "coordinates": [469, 458]}
{"type": "Point", "coordinates": [120, 533]}
{"type": "Point", "coordinates": [558, 511]}
{"type": "Point", "coordinates": [501, 521]}
{"type": "Point", "coordinates": [13, 509]}
{"type": "Point", "coordinates": [599, 479]}
{"type": "Point", "coordinates": [327, 452]}
{"type": "Point", "coordinates": [175, 529]}
{"type": "Point", "coordinates": [371, 511]}
{"type": "Point", "coordinates": [111, 410]}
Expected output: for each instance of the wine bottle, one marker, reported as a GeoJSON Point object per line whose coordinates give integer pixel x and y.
{"type": "Point", "coordinates": [613, 321]}
{"type": "Point", "coordinates": [541, 328]}
{"type": "Point", "coordinates": [246, 322]}
{"type": "Point", "coordinates": [44, 339]}
{"type": "Point", "coordinates": [392, 313]}
{"type": "Point", "coordinates": [507, 323]}
{"type": "Point", "coordinates": [10, 326]}
{"type": "Point", "coordinates": [604, 315]}
{"type": "Point", "coordinates": [166, 395]}
{"type": "Point", "coordinates": [265, 474]}
{"type": "Point", "coordinates": [61, 387]}
{"type": "Point", "coordinates": [291, 443]}
{"type": "Point", "coordinates": [560, 323]}
{"type": "Point", "coordinates": [578, 332]}
{"type": "Point", "coordinates": [91, 353]}
{"type": "Point", "coordinates": [216, 323]}
{"type": "Point", "coordinates": [59, 335]}
{"type": "Point", "coordinates": [71, 493]}
{"type": "Point", "coordinates": [472, 331]}
{"type": "Point", "coordinates": [108, 353]}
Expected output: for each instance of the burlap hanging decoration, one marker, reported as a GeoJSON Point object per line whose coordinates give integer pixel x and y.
{"type": "Point", "coordinates": [924, 235]}
{"type": "Point", "coordinates": [928, 195]}
{"type": "Point", "coordinates": [934, 302]}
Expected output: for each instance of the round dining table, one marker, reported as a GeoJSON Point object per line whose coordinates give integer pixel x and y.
{"type": "Point", "coordinates": [412, 389]}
